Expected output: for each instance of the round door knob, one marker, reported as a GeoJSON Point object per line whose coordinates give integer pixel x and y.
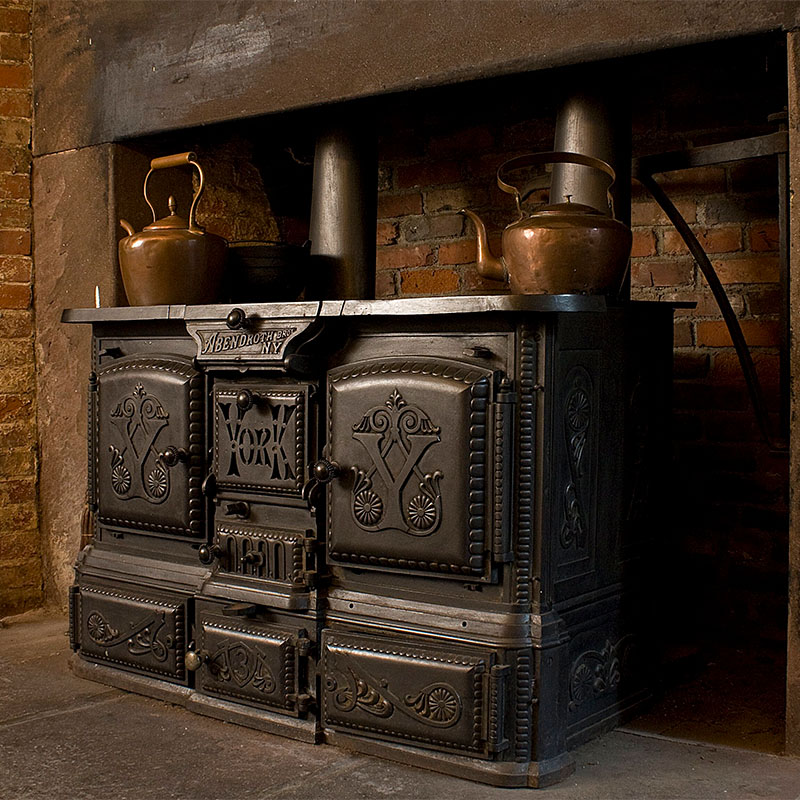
{"type": "Point", "coordinates": [245, 399]}
{"type": "Point", "coordinates": [207, 553]}
{"type": "Point", "coordinates": [325, 471]}
{"type": "Point", "coordinates": [236, 319]}
{"type": "Point", "coordinates": [172, 455]}
{"type": "Point", "coordinates": [194, 661]}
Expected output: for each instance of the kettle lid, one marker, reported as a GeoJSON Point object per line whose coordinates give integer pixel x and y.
{"type": "Point", "coordinates": [171, 222]}
{"type": "Point", "coordinates": [568, 208]}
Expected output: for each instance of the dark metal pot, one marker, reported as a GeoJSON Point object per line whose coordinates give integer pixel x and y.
{"type": "Point", "coordinates": [265, 271]}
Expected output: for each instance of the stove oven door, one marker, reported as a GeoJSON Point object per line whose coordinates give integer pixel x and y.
{"type": "Point", "coordinates": [147, 442]}
{"type": "Point", "coordinates": [412, 442]}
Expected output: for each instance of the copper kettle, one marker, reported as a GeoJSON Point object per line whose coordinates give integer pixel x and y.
{"type": "Point", "coordinates": [172, 260]}
{"type": "Point", "coordinates": [560, 249]}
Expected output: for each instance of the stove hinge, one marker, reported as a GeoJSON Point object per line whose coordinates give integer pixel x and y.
{"type": "Point", "coordinates": [503, 408]}
{"type": "Point", "coordinates": [496, 741]}
{"type": "Point", "coordinates": [310, 555]}
{"type": "Point", "coordinates": [303, 647]}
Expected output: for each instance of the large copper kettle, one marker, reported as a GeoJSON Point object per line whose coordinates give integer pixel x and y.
{"type": "Point", "coordinates": [560, 249]}
{"type": "Point", "coordinates": [172, 260]}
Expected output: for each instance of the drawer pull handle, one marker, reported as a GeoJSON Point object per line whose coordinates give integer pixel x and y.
{"type": "Point", "coordinates": [240, 509]}
{"type": "Point", "coordinates": [253, 557]}
{"type": "Point", "coordinates": [325, 471]}
{"type": "Point", "coordinates": [207, 553]}
{"type": "Point", "coordinates": [194, 660]}
{"type": "Point", "coordinates": [172, 455]}
{"type": "Point", "coordinates": [239, 610]}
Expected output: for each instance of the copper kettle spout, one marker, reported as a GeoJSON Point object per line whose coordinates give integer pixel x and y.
{"type": "Point", "coordinates": [489, 266]}
{"type": "Point", "coordinates": [129, 229]}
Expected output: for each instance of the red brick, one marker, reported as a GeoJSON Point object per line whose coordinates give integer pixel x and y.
{"type": "Point", "coordinates": [16, 351]}
{"type": "Point", "coordinates": [15, 20]}
{"type": "Point", "coordinates": [15, 295]}
{"type": "Point", "coordinates": [713, 240]}
{"type": "Point", "coordinates": [14, 159]}
{"type": "Point", "coordinates": [399, 205]}
{"type": "Point", "coordinates": [18, 543]}
{"type": "Point", "coordinates": [386, 233]}
{"type": "Point", "coordinates": [473, 281]}
{"type": "Point", "coordinates": [460, 252]}
{"type": "Point", "coordinates": [644, 213]}
{"type": "Point", "coordinates": [662, 273]}
{"type": "Point", "coordinates": [385, 284]}
{"type": "Point", "coordinates": [15, 187]}
{"type": "Point", "coordinates": [17, 463]}
{"type": "Point", "coordinates": [698, 180]}
{"type": "Point", "coordinates": [644, 244]}
{"type": "Point", "coordinates": [15, 104]}
{"type": "Point", "coordinates": [20, 435]}
{"type": "Point", "coordinates": [764, 237]}
{"type": "Point", "coordinates": [15, 325]}
{"type": "Point", "coordinates": [15, 243]}
{"type": "Point", "coordinates": [400, 257]}
{"type": "Point", "coordinates": [15, 215]}
{"type": "Point", "coordinates": [765, 301]}
{"type": "Point", "coordinates": [14, 407]}
{"type": "Point", "coordinates": [16, 380]}
{"type": "Point", "coordinates": [472, 140]}
{"type": "Point", "coordinates": [14, 47]}
{"type": "Point", "coordinates": [17, 491]}
{"type": "Point", "coordinates": [757, 333]}
{"type": "Point", "coordinates": [707, 306]}
{"type": "Point", "coordinates": [429, 282]}
{"type": "Point", "coordinates": [15, 76]}
{"type": "Point", "coordinates": [727, 370]}
{"type": "Point", "coordinates": [748, 269]}
{"type": "Point", "coordinates": [15, 132]}
{"type": "Point", "coordinates": [428, 174]}
{"type": "Point", "coordinates": [464, 196]}
{"type": "Point", "coordinates": [682, 335]}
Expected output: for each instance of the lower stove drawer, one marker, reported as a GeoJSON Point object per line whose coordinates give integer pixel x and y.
{"type": "Point", "coordinates": [141, 630]}
{"type": "Point", "coordinates": [247, 660]}
{"type": "Point", "coordinates": [436, 696]}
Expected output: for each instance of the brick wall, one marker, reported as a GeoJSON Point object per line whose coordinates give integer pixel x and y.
{"type": "Point", "coordinates": [729, 535]}
{"type": "Point", "coordinates": [20, 560]}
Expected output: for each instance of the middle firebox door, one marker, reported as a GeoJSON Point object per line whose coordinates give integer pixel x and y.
{"type": "Point", "coordinates": [412, 493]}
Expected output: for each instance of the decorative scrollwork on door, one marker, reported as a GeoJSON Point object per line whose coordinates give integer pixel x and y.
{"type": "Point", "coordinates": [437, 705]}
{"type": "Point", "coordinates": [395, 436]}
{"type": "Point", "coordinates": [577, 420]}
{"type": "Point", "coordinates": [141, 638]}
{"type": "Point", "coordinates": [242, 665]}
{"type": "Point", "coordinates": [137, 469]}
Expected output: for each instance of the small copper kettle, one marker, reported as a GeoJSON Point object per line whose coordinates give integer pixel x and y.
{"type": "Point", "coordinates": [172, 260]}
{"type": "Point", "coordinates": [564, 248]}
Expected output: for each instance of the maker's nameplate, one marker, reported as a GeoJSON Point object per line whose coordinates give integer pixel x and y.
{"type": "Point", "coordinates": [261, 340]}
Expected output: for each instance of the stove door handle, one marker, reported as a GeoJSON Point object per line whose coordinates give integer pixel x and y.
{"type": "Point", "coordinates": [322, 472]}
{"type": "Point", "coordinates": [172, 455]}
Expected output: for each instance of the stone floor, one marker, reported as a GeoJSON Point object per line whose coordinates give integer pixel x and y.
{"type": "Point", "coordinates": [63, 737]}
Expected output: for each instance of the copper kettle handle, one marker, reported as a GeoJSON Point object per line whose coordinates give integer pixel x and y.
{"type": "Point", "coordinates": [178, 160]}
{"type": "Point", "coordinates": [553, 157]}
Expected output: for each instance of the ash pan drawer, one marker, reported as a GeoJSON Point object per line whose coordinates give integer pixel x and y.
{"type": "Point", "coordinates": [139, 630]}
{"type": "Point", "coordinates": [440, 697]}
{"type": "Point", "coordinates": [257, 662]}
